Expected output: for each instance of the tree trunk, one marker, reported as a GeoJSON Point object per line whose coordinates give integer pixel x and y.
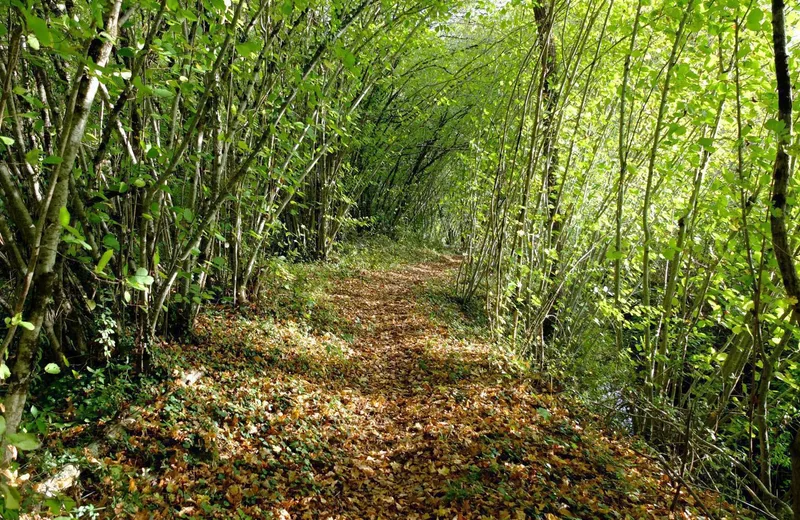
{"type": "Point", "coordinates": [781, 174]}
{"type": "Point", "coordinates": [623, 167]}
{"type": "Point", "coordinates": [658, 352]}
{"type": "Point", "coordinates": [795, 489]}
{"type": "Point", "coordinates": [544, 22]}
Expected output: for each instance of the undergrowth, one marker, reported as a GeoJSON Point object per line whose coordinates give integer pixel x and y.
{"type": "Point", "coordinates": [280, 409]}
{"type": "Point", "coordinates": [77, 412]}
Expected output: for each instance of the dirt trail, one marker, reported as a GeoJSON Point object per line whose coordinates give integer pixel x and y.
{"type": "Point", "coordinates": [389, 415]}
{"type": "Point", "coordinates": [441, 428]}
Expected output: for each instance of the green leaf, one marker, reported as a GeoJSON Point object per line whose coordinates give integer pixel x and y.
{"type": "Point", "coordinates": [163, 93]}
{"type": "Point", "coordinates": [64, 216]}
{"type": "Point", "coordinates": [2, 425]}
{"type": "Point", "coordinates": [33, 156]}
{"type": "Point", "coordinates": [544, 413]}
{"type": "Point", "coordinates": [23, 441]}
{"type": "Point", "coordinates": [33, 42]}
{"type": "Point", "coordinates": [104, 260]}
{"type": "Point", "coordinates": [11, 495]}
{"type": "Point", "coordinates": [139, 84]}
{"type": "Point", "coordinates": [52, 368]}
{"type": "Point", "coordinates": [677, 129]}
{"type": "Point", "coordinates": [6, 140]}
{"type": "Point", "coordinates": [141, 280]}
{"type": "Point", "coordinates": [26, 325]}
{"type": "Point", "coordinates": [707, 143]}
{"type": "Point", "coordinates": [67, 503]}
{"type": "Point", "coordinates": [111, 242]}
{"type": "Point", "coordinates": [248, 48]}
{"type": "Point", "coordinates": [775, 125]}
{"type": "Point", "coordinates": [5, 373]}
{"type": "Point", "coordinates": [39, 28]}
{"type": "Point", "coordinates": [349, 59]}
{"type": "Point", "coordinates": [754, 19]}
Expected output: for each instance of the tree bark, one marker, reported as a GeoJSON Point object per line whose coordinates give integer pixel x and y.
{"type": "Point", "coordinates": [550, 94]}
{"type": "Point", "coordinates": [795, 489]}
{"type": "Point", "coordinates": [657, 353]}
{"type": "Point", "coordinates": [623, 167]}
{"type": "Point", "coordinates": [781, 174]}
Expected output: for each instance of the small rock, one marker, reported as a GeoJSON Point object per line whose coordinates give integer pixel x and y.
{"type": "Point", "coordinates": [190, 378]}
{"type": "Point", "coordinates": [59, 482]}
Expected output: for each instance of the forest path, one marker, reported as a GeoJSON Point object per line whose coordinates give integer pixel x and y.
{"type": "Point", "coordinates": [395, 409]}
{"type": "Point", "coordinates": [440, 426]}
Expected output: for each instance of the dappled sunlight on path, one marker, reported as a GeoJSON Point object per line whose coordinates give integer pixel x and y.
{"type": "Point", "coordinates": [441, 428]}
{"type": "Point", "coordinates": [392, 414]}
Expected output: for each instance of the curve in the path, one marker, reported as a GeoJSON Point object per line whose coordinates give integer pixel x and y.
{"type": "Point", "coordinates": [441, 429]}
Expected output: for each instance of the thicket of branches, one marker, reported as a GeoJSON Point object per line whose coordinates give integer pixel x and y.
{"type": "Point", "coordinates": [155, 154]}
{"type": "Point", "coordinates": [631, 225]}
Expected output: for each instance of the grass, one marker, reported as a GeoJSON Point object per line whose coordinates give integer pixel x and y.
{"type": "Point", "coordinates": [298, 290]}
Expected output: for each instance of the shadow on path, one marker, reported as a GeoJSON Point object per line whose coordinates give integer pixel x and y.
{"type": "Point", "coordinates": [401, 420]}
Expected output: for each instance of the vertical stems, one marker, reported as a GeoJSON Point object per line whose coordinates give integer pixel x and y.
{"type": "Point", "coordinates": [655, 365]}
{"type": "Point", "coordinates": [623, 167]}
{"type": "Point", "coordinates": [781, 175]}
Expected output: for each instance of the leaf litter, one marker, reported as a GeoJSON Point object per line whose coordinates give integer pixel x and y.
{"type": "Point", "coordinates": [391, 414]}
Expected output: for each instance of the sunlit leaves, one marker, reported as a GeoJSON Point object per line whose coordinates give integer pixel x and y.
{"type": "Point", "coordinates": [12, 496]}
{"type": "Point", "coordinates": [17, 321]}
{"type": "Point", "coordinates": [347, 57]}
{"type": "Point", "coordinates": [23, 441]}
{"type": "Point", "coordinates": [101, 265]}
{"type": "Point", "coordinates": [141, 280]}
{"type": "Point", "coordinates": [64, 216]}
{"type": "Point", "coordinates": [755, 18]}
{"type": "Point", "coordinates": [38, 28]}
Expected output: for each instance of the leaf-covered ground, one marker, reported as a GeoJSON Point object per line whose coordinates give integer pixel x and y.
{"type": "Point", "coordinates": [392, 413]}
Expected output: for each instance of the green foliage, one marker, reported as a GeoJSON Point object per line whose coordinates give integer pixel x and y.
{"type": "Point", "coordinates": [686, 314]}
{"type": "Point", "coordinates": [605, 168]}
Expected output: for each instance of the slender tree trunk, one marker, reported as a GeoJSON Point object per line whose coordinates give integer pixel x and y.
{"type": "Point", "coordinates": [781, 174]}
{"type": "Point", "coordinates": [795, 489]}
{"type": "Point", "coordinates": [544, 21]}
{"type": "Point", "coordinates": [657, 355]}
{"type": "Point", "coordinates": [623, 170]}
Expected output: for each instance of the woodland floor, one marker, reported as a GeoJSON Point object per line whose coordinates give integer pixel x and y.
{"type": "Point", "coordinates": [395, 411]}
